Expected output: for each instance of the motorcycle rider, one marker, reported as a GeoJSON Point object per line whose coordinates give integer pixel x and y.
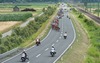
{"type": "Point", "coordinates": [65, 35]}
{"type": "Point", "coordinates": [24, 56]}
{"type": "Point", "coordinates": [37, 41]}
{"type": "Point", "coordinates": [53, 51]}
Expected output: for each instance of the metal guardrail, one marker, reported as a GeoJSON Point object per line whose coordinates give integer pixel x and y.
{"type": "Point", "coordinates": [8, 53]}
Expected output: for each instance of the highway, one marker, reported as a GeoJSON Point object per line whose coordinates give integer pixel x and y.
{"type": "Point", "coordinates": [41, 53]}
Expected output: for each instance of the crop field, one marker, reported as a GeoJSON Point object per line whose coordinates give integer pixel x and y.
{"type": "Point", "coordinates": [9, 18]}
{"type": "Point", "coordinates": [6, 25]}
{"type": "Point", "coordinates": [9, 7]}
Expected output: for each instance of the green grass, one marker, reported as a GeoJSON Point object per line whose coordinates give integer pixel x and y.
{"type": "Point", "coordinates": [24, 5]}
{"type": "Point", "coordinates": [94, 34]}
{"type": "Point", "coordinates": [15, 16]}
{"type": "Point", "coordinates": [8, 9]}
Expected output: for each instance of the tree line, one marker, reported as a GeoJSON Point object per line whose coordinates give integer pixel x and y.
{"type": "Point", "coordinates": [18, 1]}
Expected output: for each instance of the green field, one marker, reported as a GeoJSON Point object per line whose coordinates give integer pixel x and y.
{"type": "Point", "coordinates": [24, 5]}
{"type": "Point", "coordinates": [7, 9]}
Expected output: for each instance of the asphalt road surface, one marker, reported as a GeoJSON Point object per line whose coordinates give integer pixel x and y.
{"type": "Point", "coordinates": [41, 53]}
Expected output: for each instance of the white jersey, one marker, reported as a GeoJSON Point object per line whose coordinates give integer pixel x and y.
{"type": "Point", "coordinates": [23, 54]}
{"type": "Point", "coordinates": [65, 34]}
{"type": "Point", "coordinates": [52, 49]}
{"type": "Point", "coordinates": [37, 40]}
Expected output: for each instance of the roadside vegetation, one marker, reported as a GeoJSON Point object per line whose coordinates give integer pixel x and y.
{"type": "Point", "coordinates": [93, 30]}
{"type": "Point", "coordinates": [21, 35]}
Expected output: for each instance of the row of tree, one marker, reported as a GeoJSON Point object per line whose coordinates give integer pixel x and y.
{"type": "Point", "coordinates": [19, 35]}
{"type": "Point", "coordinates": [14, 1]}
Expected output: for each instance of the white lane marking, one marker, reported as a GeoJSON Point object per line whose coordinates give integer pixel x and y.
{"type": "Point", "coordinates": [28, 62]}
{"type": "Point", "coordinates": [46, 49]}
{"type": "Point", "coordinates": [69, 45]}
{"type": "Point", "coordinates": [38, 55]}
{"type": "Point", "coordinates": [27, 49]}
{"type": "Point", "coordinates": [59, 37]}
{"type": "Point", "coordinates": [61, 34]}
{"type": "Point", "coordinates": [53, 44]}
{"type": "Point", "coordinates": [57, 40]}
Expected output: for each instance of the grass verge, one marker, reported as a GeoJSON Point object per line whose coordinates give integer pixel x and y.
{"type": "Point", "coordinates": [93, 30]}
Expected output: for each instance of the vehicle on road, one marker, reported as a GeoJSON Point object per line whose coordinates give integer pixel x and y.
{"type": "Point", "coordinates": [55, 25]}
{"type": "Point", "coordinates": [52, 52]}
{"type": "Point", "coordinates": [65, 35]}
{"type": "Point", "coordinates": [24, 56]}
{"type": "Point", "coordinates": [38, 42]}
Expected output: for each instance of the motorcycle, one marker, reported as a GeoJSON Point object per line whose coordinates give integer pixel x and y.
{"type": "Point", "coordinates": [65, 37]}
{"type": "Point", "coordinates": [37, 43]}
{"type": "Point", "coordinates": [23, 59]}
{"type": "Point", "coordinates": [52, 53]}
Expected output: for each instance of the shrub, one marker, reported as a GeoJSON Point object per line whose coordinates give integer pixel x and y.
{"type": "Point", "coordinates": [2, 49]}
{"type": "Point", "coordinates": [90, 60]}
{"type": "Point", "coordinates": [80, 16]}
{"type": "Point", "coordinates": [74, 10]}
{"type": "Point", "coordinates": [93, 52]}
{"type": "Point", "coordinates": [85, 20]}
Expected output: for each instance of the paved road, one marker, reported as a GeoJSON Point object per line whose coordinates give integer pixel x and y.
{"type": "Point", "coordinates": [41, 54]}
{"type": "Point", "coordinates": [95, 18]}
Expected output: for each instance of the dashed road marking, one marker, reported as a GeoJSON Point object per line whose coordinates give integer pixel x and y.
{"type": "Point", "coordinates": [46, 49]}
{"type": "Point", "coordinates": [61, 34]}
{"type": "Point", "coordinates": [53, 44]}
{"type": "Point", "coordinates": [38, 55]}
{"type": "Point", "coordinates": [59, 37]}
{"type": "Point", "coordinates": [57, 40]}
{"type": "Point", "coordinates": [28, 62]}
